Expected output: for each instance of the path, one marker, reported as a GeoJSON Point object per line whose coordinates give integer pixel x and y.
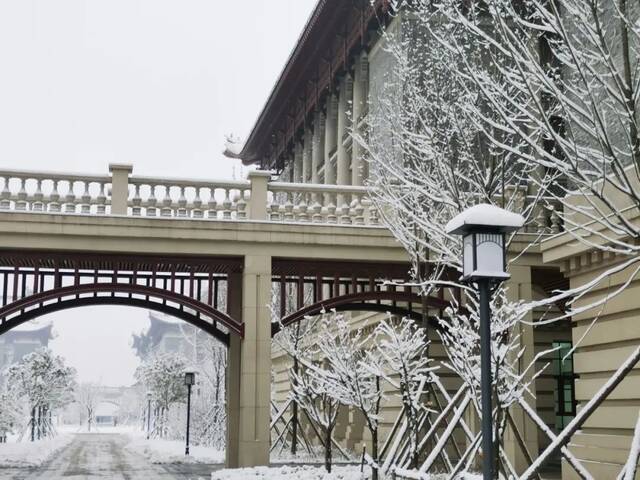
{"type": "Point", "coordinates": [93, 456]}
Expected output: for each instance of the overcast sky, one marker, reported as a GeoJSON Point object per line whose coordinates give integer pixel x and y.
{"type": "Point", "coordinates": [154, 83]}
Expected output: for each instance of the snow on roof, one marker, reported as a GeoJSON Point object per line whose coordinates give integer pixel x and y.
{"type": "Point", "coordinates": [485, 215]}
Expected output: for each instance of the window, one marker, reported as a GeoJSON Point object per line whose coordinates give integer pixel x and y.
{"type": "Point", "coordinates": [564, 395]}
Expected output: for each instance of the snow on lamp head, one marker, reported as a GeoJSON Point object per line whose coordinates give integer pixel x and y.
{"type": "Point", "coordinates": [483, 229]}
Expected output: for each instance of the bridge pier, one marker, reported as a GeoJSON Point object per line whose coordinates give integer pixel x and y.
{"type": "Point", "coordinates": [249, 365]}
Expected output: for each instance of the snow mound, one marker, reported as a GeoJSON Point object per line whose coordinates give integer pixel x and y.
{"type": "Point", "coordinates": [31, 454]}
{"type": "Point", "coordinates": [302, 472]}
{"type": "Point", "coordinates": [172, 451]}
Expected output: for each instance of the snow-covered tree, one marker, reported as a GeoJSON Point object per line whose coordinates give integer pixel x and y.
{"type": "Point", "coordinates": [11, 413]}
{"type": "Point", "coordinates": [87, 396]}
{"type": "Point", "coordinates": [431, 157]}
{"type": "Point", "coordinates": [297, 341]}
{"type": "Point", "coordinates": [350, 354]}
{"type": "Point", "coordinates": [313, 390]}
{"type": "Point", "coordinates": [163, 376]}
{"type": "Point", "coordinates": [45, 383]}
{"type": "Point", "coordinates": [404, 364]}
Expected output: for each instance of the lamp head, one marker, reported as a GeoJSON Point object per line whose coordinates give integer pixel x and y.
{"type": "Point", "coordinates": [483, 228]}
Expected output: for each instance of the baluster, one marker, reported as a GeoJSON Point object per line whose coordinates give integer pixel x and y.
{"type": "Point", "coordinates": [241, 206]}
{"type": "Point", "coordinates": [182, 204]}
{"type": "Point", "coordinates": [101, 200]}
{"type": "Point", "coordinates": [212, 212]}
{"type": "Point", "coordinates": [197, 205]}
{"type": "Point", "coordinates": [85, 206]}
{"type": "Point", "coordinates": [540, 220]}
{"type": "Point", "coordinates": [274, 208]}
{"type": "Point", "coordinates": [166, 202]}
{"type": "Point", "coordinates": [21, 202]}
{"type": "Point", "coordinates": [54, 198]}
{"type": "Point", "coordinates": [345, 218]}
{"type": "Point", "coordinates": [226, 205]}
{"type": "Point", "coordinates": [373, 215]}
{"type": "Point", "coordinates": [288, 207]}
{"type": "Point", "coordinates": [136, 201]}
{"type": "Point", "coordinates": [5, 203]}
{"type": "Point", "coordinates": [331, 209]}
{"type": "Point", "coordinates": [316, 208]}
{"type": "Point", "coordinates": [358, 209]}
{"type": "Point", "coordinates": [302, 208]}
{"type": "Point", "coordinates": [152, 201]}
{"type": "Point", "coordinates": [38, 204]}
{"type": "Point", "coordinates": [70, 199]}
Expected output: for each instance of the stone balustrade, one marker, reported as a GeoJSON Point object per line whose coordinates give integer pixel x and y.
{"type": "Point", "coordinates": [257, 198]}
{"type": "Point", "coordinates": [319, 203]}
{"type": "Point", "coordinates": [122, 193]}
{"type": "Point", "coordinates": [54, 192]}
{"type": "Point", "coordinates": [183, 198]}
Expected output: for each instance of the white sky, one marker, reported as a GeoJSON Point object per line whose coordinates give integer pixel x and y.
{"type": "Point", "coordinates": [155, 83]}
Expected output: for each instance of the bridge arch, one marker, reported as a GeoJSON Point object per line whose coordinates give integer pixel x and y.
{"type": "Point", "coordinates": [207, 318]}
{"type": "Point", "coordinates": [369, 301]}
{"type": "Point", "coordinates": [36, 283]}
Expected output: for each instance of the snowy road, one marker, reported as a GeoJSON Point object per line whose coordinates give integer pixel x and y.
{"type": "Point", "coordinates": [91, 456]}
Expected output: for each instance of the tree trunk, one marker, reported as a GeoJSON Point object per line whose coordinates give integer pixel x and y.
{"type": "Point", "coordinates": [33, 424]}
{"type": "Point", "coordinates": [374, 453]}
{"type": "Point", "coordinates": [294, 418]}
{"type": "Point", "coordinates": [327, 450]}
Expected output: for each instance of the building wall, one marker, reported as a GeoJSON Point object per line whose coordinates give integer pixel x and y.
{"type": "Point", "coordinates": [603, 442]}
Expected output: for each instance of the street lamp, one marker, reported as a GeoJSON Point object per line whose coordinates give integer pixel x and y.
{"type": "Point", "coordinates": [149, 395]}
{"type": "Point", "coordinates": [189, 381]}
{"type": "Point", "coordinates": [484, 260]}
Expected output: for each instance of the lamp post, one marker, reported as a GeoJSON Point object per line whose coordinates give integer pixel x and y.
{"type": "Point", "coordinates": [189, 381]}
{"type": "Point", "coordinates": [149, 395]}
{"type": "Point", "coordinates": [483, 228]}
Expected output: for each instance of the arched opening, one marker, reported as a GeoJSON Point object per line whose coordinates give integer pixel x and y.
{"type": "Point", "coordinates": [191, 319]}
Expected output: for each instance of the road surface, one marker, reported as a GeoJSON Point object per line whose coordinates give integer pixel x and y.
{"type": "Point", "coordinates": [93, 456]}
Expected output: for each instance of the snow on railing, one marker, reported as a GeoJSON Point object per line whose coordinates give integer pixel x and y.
{"type": "Point", "coordinates": [302, 202]}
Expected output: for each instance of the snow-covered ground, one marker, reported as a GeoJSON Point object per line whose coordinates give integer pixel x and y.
{"type": "Point", "coordinates": [307, 472]}
{"type": "Point", "coordinates": [169, 451]}
{"type": "Point", "coordinates": [298, 472]}
{"type": "Point", "coordinates": [31, 454]}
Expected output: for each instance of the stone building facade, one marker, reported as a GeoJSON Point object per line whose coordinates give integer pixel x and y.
{"type": "Point", "coordinates": [305, 134]}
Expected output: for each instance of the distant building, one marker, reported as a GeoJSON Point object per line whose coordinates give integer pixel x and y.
{"type": "Point", "coordinates": [165, 335]}
{"type": "Point", "coordinates": [21, 341]}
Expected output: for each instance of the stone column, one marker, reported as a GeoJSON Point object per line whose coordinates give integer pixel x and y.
{"type": "Point", "coordinates": [297, 162]}
{"type": "Point", "coordinates": [343, 177]}
{"type": "Point", "coordinates": [330, 138]}
{"type": "Point", "coordinates": [232, 377]}
{"type": "Point", "coordinates": [344, 161]}
{"type": "Point", "coordinates": [317, 149]}
{"type": "Point", "coordinates": [119, 187]}
{"type": "Point", "coordinates": [520, 288]}
{"type": "Point", "coordinates": [249, 370]}
{"type": "Point", "coordinates": [306, 155]}
{"type": "Point", "coordinates": [360, 87]}
{"type": "Point", "coordinates": [259, 194]}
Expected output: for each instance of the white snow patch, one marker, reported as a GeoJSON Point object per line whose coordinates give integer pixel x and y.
{"type": "Point", "coordinates": [307, 472]}
{"type": "Point", "coordinates": [172, 451]}
{"type": "Point", "coordinates": [488, 215]}
{"type": "Point", "coordinates": [31, 454]}
{"type": "Point", "coordinates": [298, 472]}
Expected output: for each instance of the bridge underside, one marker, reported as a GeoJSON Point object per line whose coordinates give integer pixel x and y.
{"type": "Point", "coordinates": [229, 297]}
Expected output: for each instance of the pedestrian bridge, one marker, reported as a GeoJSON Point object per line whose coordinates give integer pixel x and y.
{"type": "Point", "coordinates": [218, 254]}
